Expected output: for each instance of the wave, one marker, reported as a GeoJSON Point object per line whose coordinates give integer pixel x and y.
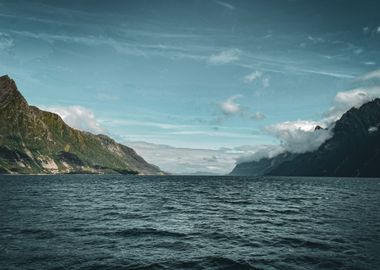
{"type": "Point", "coordinates": [144, 232]}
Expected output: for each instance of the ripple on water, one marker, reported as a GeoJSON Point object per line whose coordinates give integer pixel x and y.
{"type": "Point", "coordinates": [128, 222]}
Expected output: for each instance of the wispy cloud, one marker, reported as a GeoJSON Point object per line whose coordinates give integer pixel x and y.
{"type": "Point", "coordinates": [322, 72]}
{"type": "Point", "coordinates": [372, 75]}
{"type": "Point", "coordinates": [253, 62]}
{"type": "Point", "coordinates": [253, 76]}
{"type": "Point", "coordinates": [258, 77]}
{"type": "Point", "coordinates": [120, 45]}
{"type": "Point", "coordinates": [128, 122]}
{"type": "Point", "coordinates": [6, 41]}
{"type": "Point", "coordinates": [123, 45]}
{"type": "Point", "coordinates": [225, 4]}
{"type": "Point", "coordinates": [91, 41]}
{"type": "Point", "coordinates": [34, 19]}
{"type": "Point", "coordinates": [225, 57]}
{"type": "Point", "coordinates": [214, 133]}
{"type": "Point", "coordinates": [230, 106]}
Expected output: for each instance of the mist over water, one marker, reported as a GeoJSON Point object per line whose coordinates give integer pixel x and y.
{"type": "Point", "coordinates": [177, 222]}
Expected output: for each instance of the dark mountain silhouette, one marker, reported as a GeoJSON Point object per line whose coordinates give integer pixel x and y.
{"type": "Point", "coordinates": [353, 150]}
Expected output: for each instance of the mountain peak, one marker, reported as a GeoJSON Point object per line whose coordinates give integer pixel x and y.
{"type": "Point", "coordinates": [318, 127]}
{"type": "Point", "coordinates": [352, 151]}
{"type": "Point", "coordinates": [6, 81]}
{"type": "Point", "coordinates": [9, 92]}
{"type": "Point", "coordinates": [36, 141]}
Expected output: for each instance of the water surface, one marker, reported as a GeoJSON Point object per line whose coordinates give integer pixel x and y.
{"type": "Point", "coordinates": [192, 222]}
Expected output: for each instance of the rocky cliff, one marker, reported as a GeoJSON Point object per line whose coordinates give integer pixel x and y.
{"type": "Point", "coordinates": [33, 141]}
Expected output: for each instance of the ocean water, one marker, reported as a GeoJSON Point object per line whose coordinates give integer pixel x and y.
{"type": "Point", "coordinates": [191, 222]}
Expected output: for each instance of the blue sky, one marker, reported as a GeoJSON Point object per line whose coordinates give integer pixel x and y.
{"type": "Point", "coordinates": [204, 75]}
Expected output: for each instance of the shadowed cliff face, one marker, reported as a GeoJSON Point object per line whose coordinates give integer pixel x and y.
{"type": "Point", "coordinates": [35, 141]}
{"type": "Point", "coordinates": [354, 150]}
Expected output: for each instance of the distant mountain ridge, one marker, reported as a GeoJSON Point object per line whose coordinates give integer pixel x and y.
{"type": "Point", "coordinates": [353, 150]}
{"type": "Point", "coordinates": [33, 141]}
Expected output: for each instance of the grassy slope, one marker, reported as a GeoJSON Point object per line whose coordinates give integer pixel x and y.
{"type": "Point", "coordinates": [30, 135]}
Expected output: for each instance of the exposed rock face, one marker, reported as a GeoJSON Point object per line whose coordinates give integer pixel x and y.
{"type": "Point", "coordinates": [354, 150]}
{"type": "Point", "coordinates": [36, 141]}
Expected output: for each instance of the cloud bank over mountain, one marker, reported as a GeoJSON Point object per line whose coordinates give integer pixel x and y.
{"type": "Point", "coordinates": [302, 136]}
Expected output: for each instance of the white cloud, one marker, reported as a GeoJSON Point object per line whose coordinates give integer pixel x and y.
{"type": "Point", "coordinates": [225, 5]}
{"type": "Point", "coordinates": [372, 75]}
{"type": "Point", "coordinates": [257, 76]}
{"type": "Point", "coordinates": [6, 41]}
{"type": "Point", "coordinates": [352, 98]}
{"type": "Point", "coordinates": [255, 153]}
{"type": "Point", "coordinates": [187, 160]}
{"type": "Point", "coordinates": [346, 100]}
{"type": "Point", "coordinates": [316, 39]}
{"type": "Point", "coordinates": [294, 136]}
{"type": "Point", "coordinates": [303, 125]}
{"type": "Point", "coordinates": [299, 136]}
{"type": "Point", "coordinates": [78, 117]}
{"type": "Point", "coordinates": [326, 73]}
{"type": "Point", "coordinates": [253, 76]}
{"type": "Point", "coordinates": [121, 45]}
{"type": "Point", "coordinates": [230, 106]}
{"type": "Point", "coordinates": [128, 122]}
{"type": "Point", "coordinates": [225, 57]}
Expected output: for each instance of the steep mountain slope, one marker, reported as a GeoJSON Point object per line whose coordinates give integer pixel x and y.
{"type": "Point", "coordinates": [262, 166]}
{"type": "Point", "coordinates": [354, 150]}
{"type": "Point", "coordinates": [36, 141]}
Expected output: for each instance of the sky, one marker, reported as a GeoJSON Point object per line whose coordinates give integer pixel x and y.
{"type": "Point", "coordinates": [195, 85]}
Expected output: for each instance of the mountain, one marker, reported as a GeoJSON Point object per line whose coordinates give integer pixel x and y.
{"type": "Point", "coordinates": [33, 141]}
{"type": "Point", "coordinates": [353, 150]}
{"type": "Point", "coordinates": [261, 167]}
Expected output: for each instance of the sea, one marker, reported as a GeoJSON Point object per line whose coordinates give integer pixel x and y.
{"type": "Point", "coordinates": [188, 222]}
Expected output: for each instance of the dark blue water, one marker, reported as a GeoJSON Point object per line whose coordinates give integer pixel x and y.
{"type": "Point", "coordinates": [129, 222]}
